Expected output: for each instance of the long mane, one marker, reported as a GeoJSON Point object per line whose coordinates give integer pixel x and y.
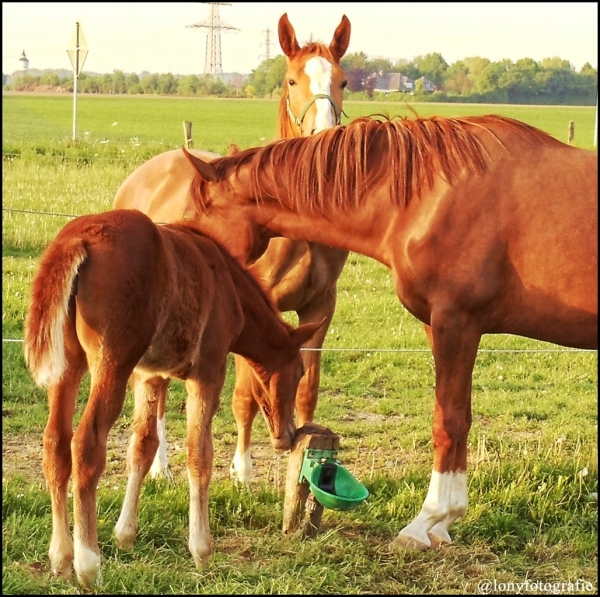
{"type": "Point", "coordinates": [332, 169]}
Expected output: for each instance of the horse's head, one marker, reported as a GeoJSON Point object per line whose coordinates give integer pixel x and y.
{"type": "Point", "coordinates": [224, 213]}
{"type": "Point", "coordinates": [313, 89]}
{"type": "Point", "coordinates": [275, 390]}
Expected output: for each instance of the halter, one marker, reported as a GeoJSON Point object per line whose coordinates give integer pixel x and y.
{"type": "Point", "coordinates": [297, 120]}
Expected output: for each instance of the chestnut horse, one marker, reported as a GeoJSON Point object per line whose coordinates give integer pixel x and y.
{"type": "Point", "coordinates": [299, 276]}
{"type": "Point", "coordinates": [125, 298]}
{"type": "Point", "coordinates": [488, 225]}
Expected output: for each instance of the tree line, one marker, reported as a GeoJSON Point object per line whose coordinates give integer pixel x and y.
{"type": "Point", "coordinates": [474, 80]}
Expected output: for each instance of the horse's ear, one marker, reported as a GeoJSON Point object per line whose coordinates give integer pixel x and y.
{"type": "Point", "coordinates": [305, 332]}
{"type": "Point", "coordinates": [287, 36]}
{"type": "Point", "coordinates": [204, 168]}
{"type": "Point", "coordinates": [233, 149]}
{"type": "Point", "coordinates": [341, 39]}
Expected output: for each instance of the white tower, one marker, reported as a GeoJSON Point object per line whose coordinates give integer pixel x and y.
{"type": "Point", "coordinates": [23, 62]}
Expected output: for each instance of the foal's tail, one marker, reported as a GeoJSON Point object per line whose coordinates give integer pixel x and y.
{"type": "Point", "coordinates": [52, 288]}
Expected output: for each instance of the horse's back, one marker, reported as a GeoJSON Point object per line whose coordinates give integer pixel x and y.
{"type": "Point", "coordinates": [159, 187]}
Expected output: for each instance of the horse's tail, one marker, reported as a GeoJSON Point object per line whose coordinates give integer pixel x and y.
{"type": "Point", "coordinates": [53, 286]}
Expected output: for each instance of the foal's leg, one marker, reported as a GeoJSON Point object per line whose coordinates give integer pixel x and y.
{"type": "Point", "coordinates": [56, 460]}
{"type": "Point", "coordinates": [245, 409]}
{"type": "Point", "coordinates": [161, 463]}
{"type": "Point", "coordinates": [88, 450]}
{"type": "Point", "coordinates": [455, 350]}
{"type": "Point", "coordinates": [202, 405]}
{"type": "Point", "coordinates": [142, 449]}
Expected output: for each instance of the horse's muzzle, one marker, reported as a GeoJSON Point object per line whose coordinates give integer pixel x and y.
{"type": "Point", "coordinates": [285, 439]}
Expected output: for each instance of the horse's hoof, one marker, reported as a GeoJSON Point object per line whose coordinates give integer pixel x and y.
{"type": "Point", "coordinates": [409, 543]}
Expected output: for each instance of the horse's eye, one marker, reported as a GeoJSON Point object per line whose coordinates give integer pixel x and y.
{"type": "Point", "coordinates": [344, 84]}
{"type": "Point", "coordinates": [291, 82]}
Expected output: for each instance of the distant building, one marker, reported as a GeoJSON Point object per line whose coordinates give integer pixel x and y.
{"type": "Point", "coordinates": [390, 82]}
{"type": "Point", "coordinates": [428, 85]}
{"type": "Point", "coordinates": [24, 63]}
{"type": "Point", "coordinates": [397, 82]}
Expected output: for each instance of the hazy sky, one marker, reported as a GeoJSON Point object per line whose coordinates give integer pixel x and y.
{"type": "Point", "coordinates": [136, 37]}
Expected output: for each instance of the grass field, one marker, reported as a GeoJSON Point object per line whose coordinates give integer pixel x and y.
{"type": "Point", "coordinates": [532, 524]}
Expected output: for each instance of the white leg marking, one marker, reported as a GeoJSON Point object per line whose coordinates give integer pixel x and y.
{"type": "Point", "coordinates": [458, 507]}
{"type": "Point", "coordinates": [161, 463]}
{"type": "Point", "coordinates": [241, 467]}
{"type": "Point", "coordinates": [319, 71]}
{"type": "Point", "coordinates": [200, 541]}
{"type": "Point", "coordinates": [87, 565]}
{"type": "Point", "coordinates": [446, 500]}
{"type": "Point", "coordinates": [61, 550]}
{"type": "Point", "coordinates": [127, 525]}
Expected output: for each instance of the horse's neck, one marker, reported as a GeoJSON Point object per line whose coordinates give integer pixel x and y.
{"type": "Point", "coordinates": [263, 334]}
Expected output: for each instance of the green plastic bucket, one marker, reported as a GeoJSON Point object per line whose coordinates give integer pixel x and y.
{"type": "Point", "coordinates": [335, 487]}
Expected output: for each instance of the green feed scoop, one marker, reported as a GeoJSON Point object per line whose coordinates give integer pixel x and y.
{"type": "Point", "coordinates": [332, 485]}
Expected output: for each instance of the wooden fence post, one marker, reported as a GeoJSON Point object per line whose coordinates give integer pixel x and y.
{"type": "Point", "coordinates": [298, 502]}
{"type": "Point", "coordinates": [571, 134]}
{"type": "Point", "coordinates": [187, 134]}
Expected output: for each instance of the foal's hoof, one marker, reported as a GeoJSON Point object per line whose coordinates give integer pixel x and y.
{"type": "Point", "coordinates": [438, 541]}
{"type": "Point", "coordinates": [409, 543]}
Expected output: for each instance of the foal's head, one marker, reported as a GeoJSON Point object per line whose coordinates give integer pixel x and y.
{"type": "Point", "coordinates": [275, 390]}
{"type": "Point", "coordinates": [313, 89]}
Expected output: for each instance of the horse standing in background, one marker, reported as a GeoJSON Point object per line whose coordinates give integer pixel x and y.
{"type": "Point", "coordinates": [119, 296]}
{"type": "Point", "coordinates": [299, 276]}
{"type": "Point", "coordinates": [488, 226]}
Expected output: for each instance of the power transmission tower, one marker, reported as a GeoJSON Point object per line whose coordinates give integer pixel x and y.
{"type": "Point", "coordinates": [267, 43]}
{"type": "Point", "coordinates": [212, 61]}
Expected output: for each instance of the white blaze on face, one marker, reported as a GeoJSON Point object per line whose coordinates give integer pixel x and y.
{"type": "Point", "coordinates": [319, 71]}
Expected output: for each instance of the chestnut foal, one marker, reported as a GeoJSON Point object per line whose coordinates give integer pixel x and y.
{"type": "Point", "coordinates": [119, 296]}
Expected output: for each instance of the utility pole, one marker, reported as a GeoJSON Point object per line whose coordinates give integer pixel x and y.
{"type": "Point", "coordinates": [212, 61]}
{"type": "Point", "coordinates": [268, 43]}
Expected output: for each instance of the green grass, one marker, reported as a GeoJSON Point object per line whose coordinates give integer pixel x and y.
{"type": "Point", "coordinates": [533, 477]}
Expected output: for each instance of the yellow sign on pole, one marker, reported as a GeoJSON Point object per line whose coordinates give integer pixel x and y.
{"type": "Point", "coordinates": [77, 52]}
{"type": "Point", "coordinates": [77, 49]}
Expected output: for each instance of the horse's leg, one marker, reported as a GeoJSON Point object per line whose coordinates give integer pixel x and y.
{"type": "Point", "coordinates": [56, 459]}
{"type": "Point", "coordinates": [142, 449]}
{"type": "Point", "coordinates": [202, 405]}
{"type": "Point", "coordinates": [161, 463]}
{"type": "Point", "coordinates": [455, 350]}
{"type": "Point", "coordinates": [88, 451]}
{"type": "Point", "coordinates": [245, 409]}
{"type": "Point", "coordinates": [308, 388]}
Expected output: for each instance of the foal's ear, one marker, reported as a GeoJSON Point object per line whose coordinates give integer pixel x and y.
{"type": "Point", "coordinates": [287, 36]}
{"type": "Point", "coordinates": [204, 168]}
{"type": "Point", "coordinates": [341, 39]}
{"type": "Point", "coordinates": [233, 149]}
{"type": "Point", "coordinates": [305, 332]}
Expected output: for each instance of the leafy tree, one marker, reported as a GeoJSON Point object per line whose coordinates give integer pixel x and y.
{"type": "Point", "coordinates": [489, 78]}
{"type": "Point", "coordinates": [433, 66]}
{"type": "Point", "coordinates": [188, 85]}
{"type": "Point", "coordinates": [380, 65]}
{"type": "Point", "coordinates": [166, 84]}
{"type": "Point", "coordinates": [408, 69]}
{"type": "Point", "coordinates": [49, 78]}
{"type": "Point", "coordinates": [356, 61]}
{"type": "Point", "coordinates": [149, 84]}
{"type": "Point", "coordinates": [119, 82]}
{"type": "Point", "coordinates": [456, 79]}
{"type": "Point", "coordinates": [356, 78]}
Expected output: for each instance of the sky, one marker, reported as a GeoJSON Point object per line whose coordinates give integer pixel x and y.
{"type": "Point", "coordinates": [156, 37]}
